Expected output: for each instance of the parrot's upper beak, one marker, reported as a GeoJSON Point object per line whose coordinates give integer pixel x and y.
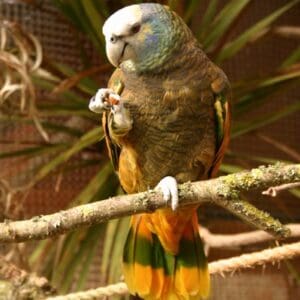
{"type": "Point", "coordinates": [115, 50]}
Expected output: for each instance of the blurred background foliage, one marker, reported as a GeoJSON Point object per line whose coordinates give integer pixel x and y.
{"type": "Point", "coordinates": [52, 97]}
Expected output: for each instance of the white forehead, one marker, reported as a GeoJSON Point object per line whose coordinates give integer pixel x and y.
{"type": "Point", "coordinates": [122, 20]}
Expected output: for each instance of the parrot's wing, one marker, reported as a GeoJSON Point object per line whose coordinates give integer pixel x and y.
{"type": "Point", "coordinates": [116, 84]}
{"type": "Point", "coordinates": [223, 120]}
{"type": "Point", "coordinates": [113, 148]}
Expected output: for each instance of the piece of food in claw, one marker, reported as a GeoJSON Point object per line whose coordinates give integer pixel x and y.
{"type": "Point", "coordinates": [112, 101]}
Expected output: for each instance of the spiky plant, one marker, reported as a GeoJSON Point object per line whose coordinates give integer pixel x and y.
{"type": "Point", "coordinates": [68, 259]}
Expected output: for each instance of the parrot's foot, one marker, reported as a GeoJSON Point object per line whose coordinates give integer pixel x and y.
{"type": "Point", "coordinates": [121, 121]}
{"type": "Point", "coordinates": [168, 186]}
{"type": "Point", "coordinates": [105, 99]}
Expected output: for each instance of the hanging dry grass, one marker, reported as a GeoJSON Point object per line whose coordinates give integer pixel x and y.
{"type": "Point", "coordinates": [20, 56]}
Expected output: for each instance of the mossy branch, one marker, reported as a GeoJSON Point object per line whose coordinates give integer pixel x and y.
{"type": "Point", "coordinates": [224, 191]}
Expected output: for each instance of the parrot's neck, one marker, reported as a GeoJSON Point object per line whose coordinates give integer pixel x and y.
{"type": "Point", "coordinates": [185, 58]}
{"type": "Point", "coordinates": [163, 57]}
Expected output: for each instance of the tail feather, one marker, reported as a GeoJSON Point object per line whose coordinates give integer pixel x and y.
{"type": "Point", "coordinates": [153, 273]}
{"type": "Point", "coordinates": [138, 257]}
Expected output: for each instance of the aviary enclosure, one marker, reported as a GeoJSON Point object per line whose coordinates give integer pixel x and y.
{"type": "Point", "coordinates": [53, 155]}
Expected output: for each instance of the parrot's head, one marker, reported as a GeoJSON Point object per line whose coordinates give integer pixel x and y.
{"type": "Point", "coordinates": [142, 37]}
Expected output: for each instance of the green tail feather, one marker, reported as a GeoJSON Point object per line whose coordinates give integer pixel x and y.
{"type": "Point", "coordinates": [152, 273]}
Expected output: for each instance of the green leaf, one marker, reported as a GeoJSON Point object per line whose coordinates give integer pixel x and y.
{"type": "Point", "coordinates": [109, 240]}
{"type": "Point", "coordinates": [223, 20]}
{"type": "Point", "coordinates": [86, 140]}
{"type": "Point", "coordinates": [86, 263]}
{"type": "Point", "coordinates": [242, 128]}
{"type": "Point", "coordinates": [73, 97]}
{"type": "Point", "coordinates": [173, 4]}
{"type": "Point", "coordinates": [94, 18]}
{"type": "Point", "coordinates": [207, 19]}
{"type": "Point", "coordinates": [96, 183]}
{"type": "Point", "coordinates": [86, 85]}
{"type": "Point", "coordinates": [295, 192]}
{"type": "Point", "coordinates": [88, 243]}
{"type": "Point", "coordinates": [233, 47]}
{"type": "Point", "coordinates": [191, 9]}
{"type": "Point", "coordinates": [77, 15]}
{"type": "Point", "coordinates": [69, 251]}
{"type": "Point", "coordinates": [38, 253]}
{"type": "Point", "coordinates": [117, 250]}
{"type": "Point", "coordinates": [257, 92]}
{"type": "Point", "coordinates": [230, 168]}
{"type": "Point", "coordinates": [292, 58]}
{"type": "Point", "coordinates": [63, 129]}
{"type": "Point", "coordinates": [33, 151]}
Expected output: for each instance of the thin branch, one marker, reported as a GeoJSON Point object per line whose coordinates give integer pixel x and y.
{"type": "Point", "coordinates": [273, 191]}
{"type": "Point", "coordinates": [280, 146]}
{"type": "Point", "coordinates": [224, 191]}
{"type": "Point", "coordinates": [222, 241]}
{"type": "Point", "coordinates": [245, 261]}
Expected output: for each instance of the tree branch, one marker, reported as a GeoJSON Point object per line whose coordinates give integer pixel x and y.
{"type": "Point", "coordinates": [273, 191]}
{"type": "Point", "coordinates": [222, 241]}
{"type": "Point", "coordinates": [224, 191]}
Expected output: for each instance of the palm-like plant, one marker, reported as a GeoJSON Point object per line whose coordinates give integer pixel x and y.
{"type": "Point", "coordinates": [80, 132]}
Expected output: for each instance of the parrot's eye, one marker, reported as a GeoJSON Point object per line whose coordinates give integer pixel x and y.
{"type": "Point", "coordinates": [113, 39]}
{"type": "Point", "coordinates": [135, 28]}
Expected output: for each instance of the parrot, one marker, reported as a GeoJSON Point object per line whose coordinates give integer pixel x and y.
{"type": "Point", "coordinates": [166, 119]}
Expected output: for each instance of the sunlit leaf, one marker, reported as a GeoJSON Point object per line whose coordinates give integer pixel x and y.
{"type": "Point", "coordinates": [292, 58]}
{"type": "Point", "coordinates": [97, 182]}
{"type": "Point", "coordinates": [234, 46]}
{"type": "Point", "coordinates": [268, 118]}
{"type": "Point", "coordinates": [33, 151]}
{"type": "Point", "coordinates": [207, 19]}
{"type": "Point", "coordinates": [191, 9]}
{"type": "Point", "coordinates": [223, 20]}
{"type": "Point", "coordinates": [89, 138]}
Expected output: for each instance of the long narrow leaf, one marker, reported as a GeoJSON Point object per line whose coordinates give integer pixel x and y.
{"type": "Point", "coordinates": [207, 19]}
{"type": "Point", "coordinates": [267, 119]}
{"type": "Point", "coordinates": [94, 18]}
{"type": "Point", "coordinates": [97, 182]}
{"type": "Point", "coordinates": [89, 138]}
{"type": "Point", "coordinates": [223, 21]}
{"type": "Point", "coordinates": [190, 10]}
{"type": "Point", "coordinates": [90, 241]}
{"type": "Point", "coordinates": [292, 58]}
{"type": "Point", "coordinates": [33, 151]}
{"type": "Point", "coordinates": [233, 47]}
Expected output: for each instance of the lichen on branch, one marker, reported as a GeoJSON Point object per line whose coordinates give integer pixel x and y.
{"type": "Point", "coordinates": [223, 191]}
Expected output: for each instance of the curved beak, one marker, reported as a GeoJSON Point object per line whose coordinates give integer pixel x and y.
{"type": "Point", "coordinates": [115, 52]}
